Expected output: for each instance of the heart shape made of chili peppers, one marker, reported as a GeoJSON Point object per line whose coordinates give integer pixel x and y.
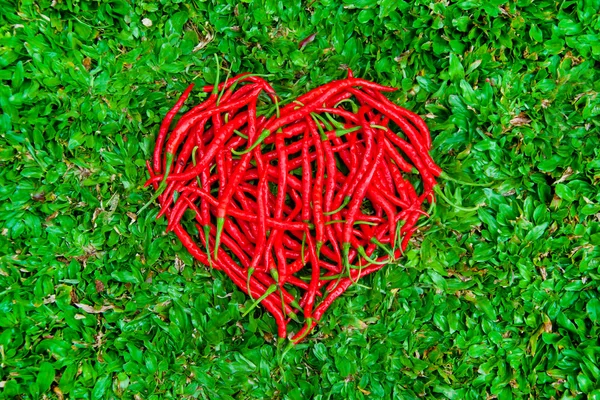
{"type": "Point", "coordinates": [297, 206]}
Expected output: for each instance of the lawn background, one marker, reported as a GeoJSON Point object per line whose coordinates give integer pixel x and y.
{"type": "Point", "coordinates": [98, 303]}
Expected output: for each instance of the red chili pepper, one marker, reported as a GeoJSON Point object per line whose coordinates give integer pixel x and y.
{"type": "Point", "coordinates": [306, 179]}
{"type": "Point", "coordinates": [236, 178]}
{"type": "Point", "coordinates": [356, 177]}
{"type": "Point", "coordinates": [414, 138]}
{"type": "Point", "coordinates": [358, 196]}
{"type": "Point", "coordinates": [315, 99]}
{"type": "Point", "coordinates": [317, 190]}
{"type": "Point", "coordinates": [314, 279]}
{"type": "Point", "coordinates": [210, 153]}
{"type": "Point", "coordinates": [255, 222]}
{"type": "Point", "coordinates": [164, 128]}
{"type": "Point", "coordinates": [188, 146]}
{"type": "Point", "coordinates": [271, 302]}
{"type": "Point", "coordinates": [411, 116]}
{"type": "Point", "coordinates": [315, 95]}
{"type": "Point", "coordinates": [400, 162]}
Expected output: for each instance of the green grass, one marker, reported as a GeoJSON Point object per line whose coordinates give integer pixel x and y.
{"type": "Point", "coordinates": [98, 303]}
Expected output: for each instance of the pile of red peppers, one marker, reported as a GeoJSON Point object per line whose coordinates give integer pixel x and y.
{"type": "Point", "coordinates": [297, 206]}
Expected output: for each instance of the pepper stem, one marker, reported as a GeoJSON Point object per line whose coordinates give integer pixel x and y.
{"type": "Point", "coordinates": [383, 247]}
{"type": "Point", "coordinates": [277, 107]}
{"type": "Point", "coordinates": [220, 224]}
{"type": "Point", "coordinates": [397, 237]}
{"type": "Point", "coordinates": [352, 105]}
{"type": "Point", "coordinates": [194, 150]}
{"type": "Point", "coordinates": [346, 261]}
{"type": "Point", "coordinates": [163, 184]}
{"type": "Point", "coordinates": [270, 289]}
{"type": "Point", "coordinates": [262, 137]}
{"type": "Point", "coordinates": [293, 316]}
{"type": "Point", "coordinates": [309, 328]}
{"type": "Point", "coordinates": [282, 300]}
{"type": "Point", "coordinates": [224, 86]}
{"type": "Point", "coordinates": [326, 124]}
{"type": "Point", "coordinates": [206, 229]}
{"type": "Point", "coordinates": [342, 132]}
{"type": "Point", "coordinates": [364, 255]}
{"type": "Point", "coordinates": [240, 134]}
{"type": "Point", "coordinates": [250, 272]}
{"type": "Point", "coordinates": [439, 192]}
{"type": "Point", "coordinates": [319, 127]}
{"type": "Point", "coordinates": [216, 85]}
{"type": "Point", "coordinates": [340, 208]}
{"type": "Point", "coordinates": [343, 221]}
{"type": "Point", "coordinates": [334, 122]}
{"type": "Point", "coordinates": [294, 303]}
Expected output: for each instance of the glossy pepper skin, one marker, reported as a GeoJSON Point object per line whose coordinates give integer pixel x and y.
{"type": "Point", "coordinates": [294, 207]}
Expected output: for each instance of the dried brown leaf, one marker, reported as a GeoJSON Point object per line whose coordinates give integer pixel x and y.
{"type": "Point", "coordinates": [91, 310]}
{"type": "Point", "coordinates": [520, 120]}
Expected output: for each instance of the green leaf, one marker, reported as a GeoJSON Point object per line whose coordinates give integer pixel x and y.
{"type": "Point", "coordinates": [486, 306]}
{"type": "Point", "coordinates": [320, 351]}
{"type": "Point", "coordinates": [590, 209]}
{"type": "Point", "coordinates": [585, 384]}
{"type": "Point", "coordinates": [565, 193]}
{"type": "Point", "coordinates": [593, 310]}
{"type": "Point", "coordinates": [456, 70]}
{"type": "Point", "coordinates": [67, 380]}
{"type": "Point", "coordinates": [101, 386]}
{"type": "Point", "coordinates": [45, 376]}
{"type": "Point", "coordinates": [536, 233]}
{"type": "Point", "coordinates": [535, 33]}
{"type": "Point", "coordinates": [18, 76]}
{"type": "Point", "coordinates": [569, 27]}
{"type": "Point", "coordinates": [125, 276]}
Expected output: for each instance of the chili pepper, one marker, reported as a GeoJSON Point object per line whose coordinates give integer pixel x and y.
{"type": "Point", "coordinates": [267, 193]}
{"type": "Point", "coordinates": [315, 95]}
{"type": "Point", "coordinates": [415, 140]}
{"type": "Point", "coordinates": [317, 190]}
{"type": "Point", "coordinates": [164, 128]}
{"type": "Point", "coordinates": [281, 193]}
{"type": "Point", "coordinates": [428, 178]}
{"type": "Point", "coordinates": [356, 174]}
{"type": "Point", "coordinates": [224, 134]}
{"type": "Point", "coordinates": [236, 178]}
{"type": "Point", "coordinates": [306, 179]}
{"type": "Point", "coordinates": [358, 196]}
{"type": "Point", "coordinates": [400, 162]}
{"type": "Point", "coordinates": [412, 117]}
{"type": "Point", "coordinates": [220, 136]}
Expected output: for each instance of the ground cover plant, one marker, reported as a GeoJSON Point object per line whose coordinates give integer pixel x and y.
{"type": "Point", "coordinates": [98, 302]}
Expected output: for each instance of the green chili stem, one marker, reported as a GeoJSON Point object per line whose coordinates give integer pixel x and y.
{"type": "Point", "coordinates": [344, 204]}
{"type": "Point", "coordinates": [342, 132]}
{"type": "Point", "coordinates": [364, 255]}
{"type": "Point", "coordinates": [163, 184]}
{"type": "Point", "coordinates": [216, 85]}
{"type": "Point", "coordinates": [270, 289]}
{"type": "Point", "coordinates": [439, 192]}
{"type": "Point", "coordinates": [260, 139]}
